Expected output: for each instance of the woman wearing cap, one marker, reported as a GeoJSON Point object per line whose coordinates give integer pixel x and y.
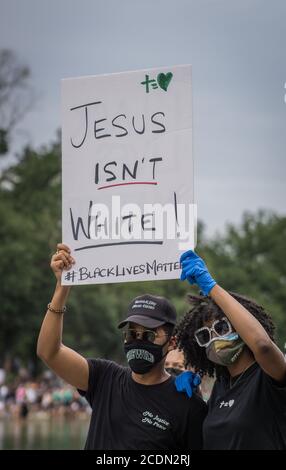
{"type": "Point", "coordinates": [231, 336]}
{"type": "Point", "coordinates": [135, 407]}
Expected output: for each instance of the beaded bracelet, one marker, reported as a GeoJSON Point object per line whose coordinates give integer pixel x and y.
{"type": "Point", "coordinates": [55, 310]}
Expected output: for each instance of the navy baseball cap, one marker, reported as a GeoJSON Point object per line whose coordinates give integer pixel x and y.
{"type": "Point", "coordinates": [150, 311]}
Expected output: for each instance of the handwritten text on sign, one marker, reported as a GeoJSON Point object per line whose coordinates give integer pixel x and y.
{"type": "Point", "coordinates": [127, 174]}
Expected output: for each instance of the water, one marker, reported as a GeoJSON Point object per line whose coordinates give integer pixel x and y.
{"type": "Point", "coordinates": [37, 433]}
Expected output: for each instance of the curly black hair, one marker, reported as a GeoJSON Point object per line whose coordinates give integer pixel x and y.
{"type": "Point", "coordinates": [204, 309]}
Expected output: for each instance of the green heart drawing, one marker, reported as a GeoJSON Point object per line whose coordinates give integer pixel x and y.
{"type": "Point", "coordinates": [164, 79]}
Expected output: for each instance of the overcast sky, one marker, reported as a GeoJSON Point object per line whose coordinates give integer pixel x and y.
{"type": "Point", "coordinates": [238, 52]}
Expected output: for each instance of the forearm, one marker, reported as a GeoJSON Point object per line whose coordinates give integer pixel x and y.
{"type": "Point", "coordinates": [50, 337]}
{"type": "Point", "coordinates": [246, 325]}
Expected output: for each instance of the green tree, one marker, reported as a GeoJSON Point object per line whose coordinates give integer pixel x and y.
{"type": "Point", "coordinates": [30, 213]}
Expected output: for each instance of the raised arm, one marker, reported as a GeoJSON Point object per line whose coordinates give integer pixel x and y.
{"type": "Point", "coordinates": [265, 351]}
{"type": "Point", "coordinates": [65, 362]}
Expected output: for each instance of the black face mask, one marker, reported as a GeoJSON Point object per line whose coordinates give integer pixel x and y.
{"type": "Point", "coordinates": [174, 371]}
{"type": "Point", "coordinates": [142, 356]}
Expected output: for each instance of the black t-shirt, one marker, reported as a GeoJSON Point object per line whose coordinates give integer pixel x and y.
{"type": "Point", "coordinates": [128, 415]}
{"type": "Point", "coordinates": [249, 415]}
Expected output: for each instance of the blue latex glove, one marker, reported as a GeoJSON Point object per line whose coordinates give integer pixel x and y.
{"type": "Point", "coordinates": [195, 271]}
{"type": "Point", "coordinates": [187, 382]}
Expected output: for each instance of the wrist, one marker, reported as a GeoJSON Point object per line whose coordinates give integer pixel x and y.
{"type": "Point", "coordinates": [61, 310]}
{"type": "Point", "coordinates": [60, 288]}
{"type": "Point", "coordinates": [206, 283]}
{"type": "Point", "coordinates": [210, 286]}
{"type": "Point", "coordinates": [60, 296]}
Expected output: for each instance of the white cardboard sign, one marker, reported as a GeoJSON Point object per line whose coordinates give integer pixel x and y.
{"type": "Point", "coordinates": [126, 146]}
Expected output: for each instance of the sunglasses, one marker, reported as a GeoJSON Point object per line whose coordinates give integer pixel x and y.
{"type": "Point", "coordinates": [131, 334]}
{"type": "Point", "coordinates": [220, 327]}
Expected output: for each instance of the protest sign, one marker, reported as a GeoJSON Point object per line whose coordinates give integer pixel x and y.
{"type": "Point", "coordinates": [127, 174]}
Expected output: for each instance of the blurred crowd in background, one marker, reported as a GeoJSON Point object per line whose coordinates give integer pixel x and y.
{"type": "Point", "coordinates": [46, 396]}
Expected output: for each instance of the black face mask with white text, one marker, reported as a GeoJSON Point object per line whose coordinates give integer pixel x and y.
{"type": "Point", "coordinates": [142, 356]}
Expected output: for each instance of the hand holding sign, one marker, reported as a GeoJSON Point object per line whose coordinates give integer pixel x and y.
{"type": "Point", "coordinates": [61, 260]}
